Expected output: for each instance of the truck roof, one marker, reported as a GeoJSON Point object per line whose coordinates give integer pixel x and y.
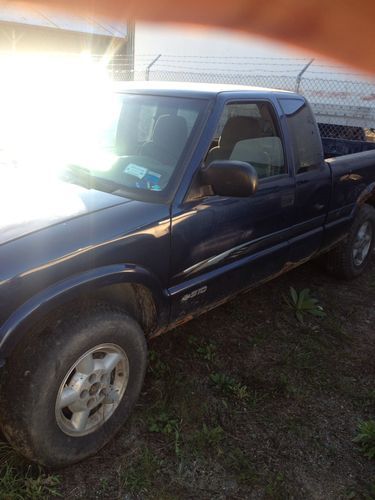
{"type": "Point", "coordinates": [193, 89]}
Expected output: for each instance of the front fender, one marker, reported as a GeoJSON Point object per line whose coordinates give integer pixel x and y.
{"type": "Point", "coordinates": [23, 318]}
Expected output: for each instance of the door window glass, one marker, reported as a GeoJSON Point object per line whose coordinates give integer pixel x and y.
{"type": "Point", "coordinates": [247, 132]}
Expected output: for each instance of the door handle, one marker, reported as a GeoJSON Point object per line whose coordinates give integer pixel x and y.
{"type": "Point", "coordinates": [287, 200]}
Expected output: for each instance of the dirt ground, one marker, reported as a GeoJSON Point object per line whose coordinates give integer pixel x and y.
{"type": "Point", "coordinates": [246, 402]}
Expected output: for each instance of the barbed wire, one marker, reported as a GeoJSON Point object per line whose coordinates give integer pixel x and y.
{"type": "Point", "coordinates": [193, 69]}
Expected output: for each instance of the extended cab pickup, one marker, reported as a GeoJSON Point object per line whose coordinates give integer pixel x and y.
{"type": "Point", "coordinates": [192, 194]}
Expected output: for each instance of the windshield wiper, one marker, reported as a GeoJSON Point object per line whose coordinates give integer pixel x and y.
{"type": "Point", "coordinates": [76, 174]}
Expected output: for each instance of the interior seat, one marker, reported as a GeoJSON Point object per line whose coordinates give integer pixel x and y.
{"type": "Point", "coordinates": [168, 139]}
{"type": "Point", "coordinates": [237, 128]}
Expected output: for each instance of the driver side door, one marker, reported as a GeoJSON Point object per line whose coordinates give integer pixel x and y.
{"type": "Point", "coordinates": [222, 245]}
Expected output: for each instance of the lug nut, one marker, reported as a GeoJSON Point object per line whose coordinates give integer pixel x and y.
{"type": "Point", "coordinates": [94, 389]}
{"type": "Point", "coordinates": [91, 403]}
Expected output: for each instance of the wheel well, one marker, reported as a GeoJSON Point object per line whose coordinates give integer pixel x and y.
{"type": "Point", "coordinates": [368, 196]}
{"type": "Point", "coordinates": [371, 200]}
{"type": "Point", "coordinates": [136, 299]}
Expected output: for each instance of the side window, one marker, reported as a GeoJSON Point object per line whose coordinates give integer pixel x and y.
{"type": "Point", "coordinates": [306, 138]}
{"type": "Point", "coordinates": [247, 132]}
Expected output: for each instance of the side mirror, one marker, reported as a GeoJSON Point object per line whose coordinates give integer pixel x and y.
{"type": "Point", "coordinates": [231, 178]}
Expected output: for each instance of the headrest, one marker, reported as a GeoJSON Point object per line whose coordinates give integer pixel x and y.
{"type": "Point", "coordinates": [238, 128]}
{"type": "Point", "coordinates": [171, 130]}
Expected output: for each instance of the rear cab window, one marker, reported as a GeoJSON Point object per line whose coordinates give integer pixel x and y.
{"type": "Point", "coordinates": [307, 144]}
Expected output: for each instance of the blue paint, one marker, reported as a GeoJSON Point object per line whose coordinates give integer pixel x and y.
{"type": "Point", "coordinates": [173, 243]}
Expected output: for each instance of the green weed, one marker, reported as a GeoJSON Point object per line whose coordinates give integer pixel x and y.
{"type": "Point", "coordinates": [206, 441]}
{"type": "Point", "coordinates": [367, 492]}
{"type": "Point", "coordinates": [163, 423]}
{"type": "Point", "coordinates": [206, 351]}
{"type": "Point", "coordinates": [19, 484]}
{"type": "Point", "coordinates": [366, 438]}
{"type": "Point", "coordinates": [230, 386]}
{"type": "Point", "coordinates": [302, 303]}
{"type": "Point", "coordinates": [9, 457]}
{"type": "Point", "coordinates": [240, 391]}
{"type": "Point", "coordinates": [275, 487]}
{"type": "Point", "coordinates": [370, 396]}
{"type": "Point", "coordinates": [139, 477]}
{"type": "Point", "coordinates": [156, 366]}
{"type": "Point", "coordinates": [104, 485]}
{"type": "Point", "coordinates": [222, 381]}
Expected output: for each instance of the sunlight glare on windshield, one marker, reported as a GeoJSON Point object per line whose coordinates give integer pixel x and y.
{"type": "Point", "coordinates": [55, 109]}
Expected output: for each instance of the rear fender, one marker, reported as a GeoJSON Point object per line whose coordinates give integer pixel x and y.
{"type": "Point", "coordinates": [367, 195]}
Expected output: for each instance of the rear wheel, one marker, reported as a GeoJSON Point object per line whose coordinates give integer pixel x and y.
{"type": "Point", "coordinates": [65, 394]}
{"type": "Point", "coordinates": [350, 258]}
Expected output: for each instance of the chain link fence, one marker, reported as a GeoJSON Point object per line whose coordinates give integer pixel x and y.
{"type": "Point", "coordinates": [343, 102]}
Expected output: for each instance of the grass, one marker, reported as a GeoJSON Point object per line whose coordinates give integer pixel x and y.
{"type": "Point", "coordinates": [163, 423]}
{"type": "Point", "coordinates": [156, 366]}
{"type": "Point", "coordinates": [241, 467]}
{"type": "Point", "coordinates": [27, 484]}
{"type": "Point", "coordinates": [140, 476]}
{"type": "Point", "coordinates": [244, 402]}
{"type": "Point", "coordinates": [19, 480]}
{"type": "Point", "coordinates": [366, 438]}
{"type": "Point", "coordinates": [229, 386]}
{"type": "Point", "coordinates": [205, 441]}
{"type": "Point", "coordinates": [205, 350]}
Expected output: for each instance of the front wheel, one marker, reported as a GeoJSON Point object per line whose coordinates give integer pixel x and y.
{"type": "Point", "coordinates": [66, 393]}
{"type": "Point", "coordinates": [350, 258]}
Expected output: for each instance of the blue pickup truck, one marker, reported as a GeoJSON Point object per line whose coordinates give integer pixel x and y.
{"type": "Point", "coordinates": [193, 194]}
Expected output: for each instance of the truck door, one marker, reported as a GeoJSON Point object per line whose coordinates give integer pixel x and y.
{"type": "Point", "coordinates": [221, 245]}
{"type": "Point", "coordinates": [313, 179]}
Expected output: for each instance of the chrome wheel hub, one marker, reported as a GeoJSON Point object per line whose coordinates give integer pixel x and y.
{"type": "Point", "coordinates": [92, 390]}
{"type": "Point", "coordinates": [362, 243]}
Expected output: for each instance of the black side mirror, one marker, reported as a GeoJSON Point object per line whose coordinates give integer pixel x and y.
{"type": "Point", "coordinates": [231, 178]}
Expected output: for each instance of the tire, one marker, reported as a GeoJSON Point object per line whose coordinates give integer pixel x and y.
{"type": "Point", "coordinates": [344, 261]}
{"type": "Point", "coordinates": [112, 351]}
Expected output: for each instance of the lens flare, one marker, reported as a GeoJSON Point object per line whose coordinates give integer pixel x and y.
{"type": "Point", "coordinates": [54, 110]}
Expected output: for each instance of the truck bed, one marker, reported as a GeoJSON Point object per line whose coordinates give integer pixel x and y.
{"type": "Point", "coordinates": [339, 147]}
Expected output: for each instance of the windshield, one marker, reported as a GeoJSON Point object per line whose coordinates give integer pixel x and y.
{"type": "Point", "coordinates": [144, 141]}
{"type": "Point", "coordinates": [138, 146]}
{"type": "Point", "coordinates": [131, 144]}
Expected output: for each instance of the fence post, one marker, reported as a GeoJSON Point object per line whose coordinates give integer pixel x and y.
{"type": "Point", "coordinates": [299, 76]}
{"type": "Point", "coordinates": [150, 66]}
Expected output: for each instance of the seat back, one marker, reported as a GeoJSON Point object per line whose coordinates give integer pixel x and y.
{"type": "Point", "coordinates": [237, 128]}
{"type": "Point", "coordinates": [264, 153]}
{"type": "Point", "coordinates": [168, 139]}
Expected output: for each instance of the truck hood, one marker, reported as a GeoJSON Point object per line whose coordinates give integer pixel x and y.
{"type": "Point", "coordinates": [29, 204]}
